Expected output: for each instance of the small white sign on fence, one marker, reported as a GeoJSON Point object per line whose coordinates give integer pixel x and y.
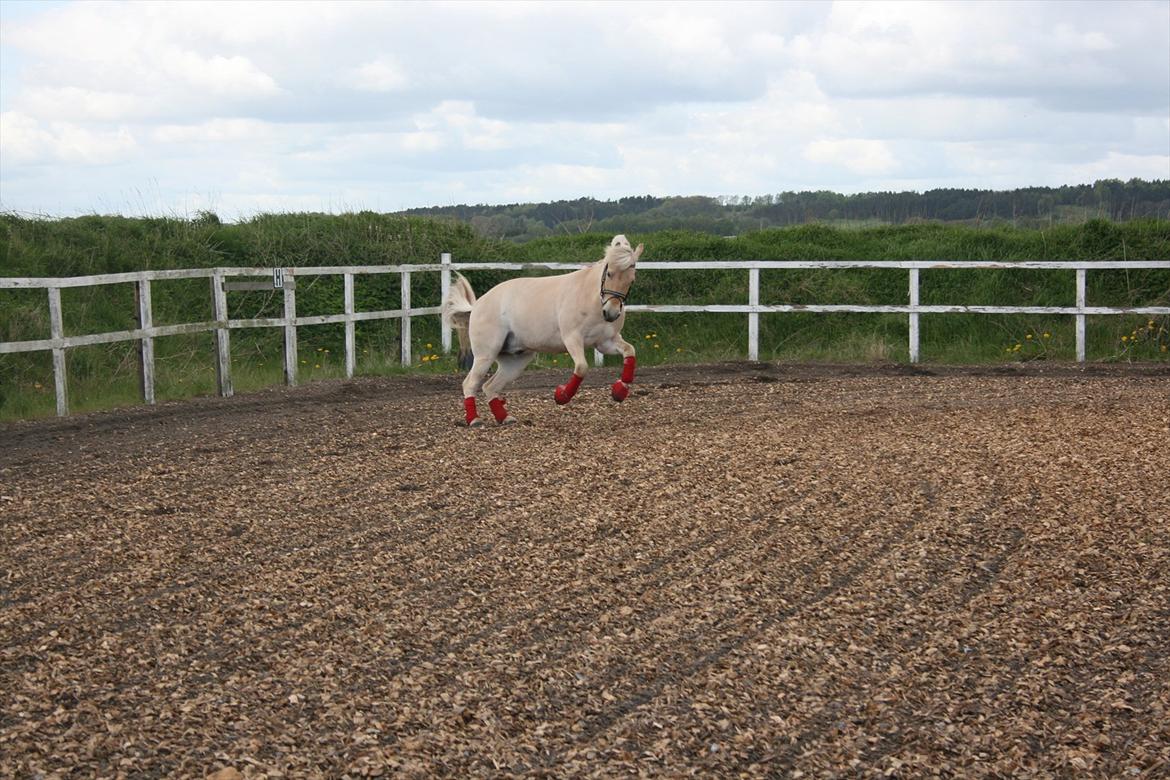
{"type": "Point", "coordinates": [278, 278]}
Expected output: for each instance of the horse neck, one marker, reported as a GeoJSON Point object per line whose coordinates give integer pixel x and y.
{"type": "Point", "coordinates": [590, 275]}
{"type": "Point", "coordinates": [599, 268]}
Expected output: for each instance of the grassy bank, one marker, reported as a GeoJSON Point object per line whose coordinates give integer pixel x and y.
{"type": "Point", "coordinates": [107, 375]}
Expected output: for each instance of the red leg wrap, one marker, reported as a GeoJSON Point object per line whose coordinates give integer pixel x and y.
{"type": "Point", "coordinates": [564, 393]}
{"type": "Point", "coordinates": [469, 408]}
{"type": "Point", "coordinates": [620, 390]}
{"type": "Point", "coordinates": [628, 369]}
{"type": "Point", "coordinates": [499, 411]}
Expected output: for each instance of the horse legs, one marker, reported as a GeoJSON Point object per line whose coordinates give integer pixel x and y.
{"type": "Point", "coordinates": [471, 387]}
{"type": "Point", "coordinates": [618, 345]}
{"type": "Point", "coordinates": [576, 348]}
{"type": "Point", "coordinates": [510, 367]}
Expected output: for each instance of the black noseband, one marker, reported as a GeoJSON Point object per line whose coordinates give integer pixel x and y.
{"type": "Point", "coordinates": [611, 293]}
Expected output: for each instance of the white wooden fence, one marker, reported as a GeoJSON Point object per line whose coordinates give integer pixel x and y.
{"type": "Point", "coordinates": [284, 279]}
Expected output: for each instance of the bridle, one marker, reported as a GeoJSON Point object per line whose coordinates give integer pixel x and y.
{"type": "Point", "coordinates": [611, 293]}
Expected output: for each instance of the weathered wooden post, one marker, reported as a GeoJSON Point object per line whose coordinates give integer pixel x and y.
{"type": "Point", "coordinates": [405, 321]}
{"type": "Point", "coordinates": [1081, 317]}
{"type": "Point", "coordinates": [290, 331]}
{"type": "Point", "coordinates": [444, 290]}
{"type": "Point", "coordinates": [753, 315]}
{"type": "Point", "coordinates": [223, 348]}
{"type": "Point", "coordinates": [146, 343]}
{"type": "Point", "coordinates": [350, 340]}
{"type": "Point", "coordinates": [913, 315]}
{"type": "Point", "coordinates": [57, 334]}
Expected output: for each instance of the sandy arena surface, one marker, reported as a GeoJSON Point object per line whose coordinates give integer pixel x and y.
{"type": "Point", "coordinates": [743, 570]}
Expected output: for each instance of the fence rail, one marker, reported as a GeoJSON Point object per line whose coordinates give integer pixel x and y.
{"type": "Point", "coordinates": [283, 279]}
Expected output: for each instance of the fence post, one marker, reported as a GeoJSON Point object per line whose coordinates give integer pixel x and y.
{"type": "Point", "coordinates": [753, 316]}
{"type": "Point", "coordinates": [913, 315]}
{"type": "Point", "coordinates": [290, 332]}
{"type": "Point", "coordinates": [223, 348]}
{"type": "Point", "coordinates": [406, 359]}
{"type": "Point", "coordinates": [57, 332]}
{"type": "Point", "coordinates": [1080, 317]}
{"type": "Point", "coordinates": [146, 344]}
{"type": "Point", "coordinates": [444, 290]}
{"type": "Point", "coordinates": [350, 340]}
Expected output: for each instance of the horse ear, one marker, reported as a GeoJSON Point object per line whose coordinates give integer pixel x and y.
{"type": "Point", "coordinates": [638, 251]}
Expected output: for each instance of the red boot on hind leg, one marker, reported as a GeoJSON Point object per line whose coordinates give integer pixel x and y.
{"type": "Point", "coordinates": [470, 412]}
{"type": "Point", "coordinates": [500, 411]}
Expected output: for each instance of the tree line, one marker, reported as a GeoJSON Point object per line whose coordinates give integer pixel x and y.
{"type": "Point", "coordinates": [1110, 199]}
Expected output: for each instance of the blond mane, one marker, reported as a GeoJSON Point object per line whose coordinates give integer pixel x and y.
{"type": "Point", "coordinates": [619, 254]}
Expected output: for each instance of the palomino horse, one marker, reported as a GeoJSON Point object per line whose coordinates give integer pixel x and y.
{"type": "Point", "coordinates": [518, 318]}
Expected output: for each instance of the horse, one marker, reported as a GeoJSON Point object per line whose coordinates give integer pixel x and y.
{"type": "Point", "coordinates": [519, 318]}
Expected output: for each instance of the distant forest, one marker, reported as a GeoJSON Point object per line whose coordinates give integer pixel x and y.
{"type": "Point", "coordinates": [728, 216]}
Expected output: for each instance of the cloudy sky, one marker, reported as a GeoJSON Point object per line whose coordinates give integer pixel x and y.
{"type": "Point", "coordinates": [246, 107]}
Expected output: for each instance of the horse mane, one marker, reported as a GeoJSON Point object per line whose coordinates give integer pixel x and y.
{"type": "Point", "coordinates": [619, 254]}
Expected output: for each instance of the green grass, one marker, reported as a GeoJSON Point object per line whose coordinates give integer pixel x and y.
{"type": "Point", "coordinates": [107, 375]}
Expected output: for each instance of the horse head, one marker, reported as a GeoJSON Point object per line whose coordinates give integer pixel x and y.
{"type": "Point", "coordinates": [617, 276]}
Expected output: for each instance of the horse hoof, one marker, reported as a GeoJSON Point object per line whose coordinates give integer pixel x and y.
{"type": "Point", "coordinates": [509, 420]}
{"type": "Point", "coordinates": [620, 391]}
{"type": "Point", "coordinates": [561, 397]}
{"type": "Point", "coordinates": [476, 423]}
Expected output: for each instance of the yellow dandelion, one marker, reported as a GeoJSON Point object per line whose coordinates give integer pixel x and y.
{"type": "Point", "coordinates": [326, 352]}
{"type": "Point", "coordinates": [429, 346]}
{"type": "Point", "coordinates": [679, 349]}
{"type": "Point", "coordinates": [648, 337]}
{"type": "Point", "coordinates": [1164, 348]}
{"type": "Point", "coordinates": [656, 346]}
{"type": "Point", "coordinates": [1028, 337]}
{"type": "Point", "coordinates": [317, 365]}
{"type": "Point", "coordinates": [1125, 338]}
{"type": "Point", "coordinates": [37, 385]}
{"type": "Point", "coordinates": [1047, 335]}
{"type": "Point", "coordinates": [320, 349]}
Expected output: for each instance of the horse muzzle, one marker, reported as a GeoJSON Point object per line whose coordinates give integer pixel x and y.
{"type": "Point", "coordinates": [610, 315]}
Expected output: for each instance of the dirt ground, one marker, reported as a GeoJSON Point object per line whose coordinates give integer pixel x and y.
{"type": "Point", "coordinates": [743, 570]}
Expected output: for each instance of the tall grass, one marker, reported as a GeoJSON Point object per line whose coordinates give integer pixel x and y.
{"type": "Point", "coordinates": [106, 375]}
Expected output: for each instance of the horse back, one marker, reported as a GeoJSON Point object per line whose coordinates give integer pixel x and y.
{"type": "Point", "coordinates": [522, 313]}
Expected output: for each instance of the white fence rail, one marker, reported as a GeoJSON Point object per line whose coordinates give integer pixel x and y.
{"type": "Point", "coordinates": [284, 279]}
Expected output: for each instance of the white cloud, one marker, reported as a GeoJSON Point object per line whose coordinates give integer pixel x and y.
{"type": "Point", "coordinates": [82, 104]}
{"type": "Point", "coordinates": [25, 140]}
{"type": "Point", "coordinates": [233, 76]}
{"type": "Point", "coordinates": [865, 156]}
{"type": "Point", "coordinates": [392, 104]}
{"type": "Point", "coordinates": [379, 75]}
{"type": "Point", "coordinates": [1059, 54]}
{"type": "Point", "coordinates": [216, 131]}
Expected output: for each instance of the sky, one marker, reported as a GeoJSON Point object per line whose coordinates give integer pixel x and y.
{"type": "Point", "coordinates": [175, 108]}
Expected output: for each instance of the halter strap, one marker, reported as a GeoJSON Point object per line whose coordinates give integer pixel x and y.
{"type": "Point", "coordinates": [612, 293]}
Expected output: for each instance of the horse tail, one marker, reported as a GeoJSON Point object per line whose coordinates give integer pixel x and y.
{"type": "Point", "coordinates": [457, 314]}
